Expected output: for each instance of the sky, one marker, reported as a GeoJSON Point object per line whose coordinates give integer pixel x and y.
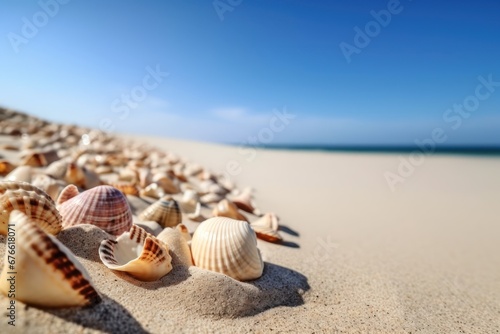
{"type": "Point", "coordinates": [346, 72]}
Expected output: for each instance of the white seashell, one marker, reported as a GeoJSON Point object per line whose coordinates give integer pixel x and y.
{"type": "Point", "coordinates": [47, 274]}
{"type": "Point", "coordinates": [138, 253]}
{"type": "Point", "coordinates": [197, 216]}
{"type": "Point", "coordinates": [153, 190]}
{"type": "Point", "coordinates": [57, 169]}
{"type": "Point", "coordinates": [189, 201]}
{"type": "Point", "coordinates": [103, 206]}
{"type": "Point", "coordinates": [266, 228]}
{"type": "Point", "coordinates": [21, 174]}
{"type": "Point", "coordinates": [227, 246]}
{"type": "Point", "coordinates": [244, 201]}
{"type": "Point", "coordinates": [51, 186]}
{"type": "Point", "coordinates": [176, 241]}
{"type": "Point", "coordinates": [211, 198]}
{"type": "Point", "coordinates": [226, 208]}
{"type": "Point", "coordinates": [164, 211]}
{"type": "Point", "coordinates": [32, 201]}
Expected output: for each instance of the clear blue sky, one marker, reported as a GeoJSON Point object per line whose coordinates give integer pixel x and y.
{"type": "Point", "coordinates": [226, 76]}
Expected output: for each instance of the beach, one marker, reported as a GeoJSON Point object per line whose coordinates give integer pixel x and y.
{"type": "Point", "coordinates": [357, 257]}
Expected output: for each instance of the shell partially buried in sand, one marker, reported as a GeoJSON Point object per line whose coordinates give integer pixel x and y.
{"type": "Point", "coordinates": [34, 202]}
{"type": "Point", "coordinates": [47, 273]}
{"type": "Point", "coordinates": [138, 253]}
{"type": "Point", "coordinates": [227, 246]}
{"type": "Point", "coordinates": [103, 206]}
{"type": "Point", "coordinates": [177, 241]}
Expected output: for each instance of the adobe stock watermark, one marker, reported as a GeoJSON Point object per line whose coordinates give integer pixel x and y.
{"type": "Point", "coordinates": [248, 149]}
{"type": "Point", "coordinates": [372, 29]}
{"type": "Point", "coordinates": [223, 6]}
{"type": "Point", "coordinates": [31, 27]}
{"type": "Point", "coordinates": [454, 118]}
{"type": "Point", "coordinates": [323, 250]}
{"type": "Point", "coordinates": [131, 100]}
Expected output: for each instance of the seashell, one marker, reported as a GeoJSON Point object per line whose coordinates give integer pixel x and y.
{"type": "Point", "coordinates": [192, 169]}
{"type": "Point", "coordinates": [211, 198]}
{"type": "Point", "coordinates": [153, 190]}
{"type": "Point", "coordinates": [177, 243]}
{"type": "Point", "coordinates": [210, 186]}
{"type": "Point", "coordinates": [164, 211]}
{"type": "Point", "coordinates": [6, 167]}
{"type": "Point", "coordinates": [197, 216]}
{"type": "Point", "coordinates": [228, 247]}
{"type": "Point", "coordinates": [138, 253]}
{"type": "Point", "coordinates": [103, 206]}
{"type": "Point", "coordinates": [47, 274]}
{"type": "Point", "coordinates": [40, 159]}
{"type": "Point", "coordinates": [104, 170]}
{"type": "Point", "coordinates": [128, 175]}
{"type": "Point", "coordinates": [81, 176]}
{"type": "Point", "coordinates": [266, 228]}
{"type": "Point", "coordinates": [32, 201]}
{"type": "Point", "coordinates": [21, 174]}
{"type": "Point", "coordinates": [244, 201]}
{"type": "Point", "coordinates": [185, 232]}
{"type": "Point", "coordinates": [57, 169]}
{"type": "Point", "coordinates": [145, 177]}
{"type": "Point", "coordinates": [51, 186]}
{"type": "Point", "coordinates": [226, 183]}
{"type": "Point", "coordinates": [126, 188]}
{"type": "Point", "coordinates": [189, 201]}
{"type": "Point", "coordinates": [9, 147]}
{"type": "Point", "coordinates": [165, 182]}
{"type": "Point", "coordinates": [226, 208]}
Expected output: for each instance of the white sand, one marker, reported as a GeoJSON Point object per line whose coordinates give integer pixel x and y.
{"type": "Point", "coordinates": [358, 258]}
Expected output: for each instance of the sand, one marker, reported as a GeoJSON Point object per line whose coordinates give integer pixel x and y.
{"type": "Point", "coordinates": [357, 257]}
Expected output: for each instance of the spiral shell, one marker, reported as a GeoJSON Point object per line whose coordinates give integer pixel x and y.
{"type": "Point", "coordinates": [227, 246]}
{"type": "Point", "coordinates": [165, 212]}
{"type": "Point", "coordinates": [47, 274]}
{"type": "Point", "coordinates": [103, 206]}
{"type": "Point", "coordinates": [138, 253]}
{"type": "Point", "coordinates": [30, 200]}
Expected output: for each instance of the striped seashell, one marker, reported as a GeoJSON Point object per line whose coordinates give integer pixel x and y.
{"type": "Point", "coordinates": [227, 246]}
{"type": "Point", "coordinates": [46, 273]}
{"type": "Point", "coordinates": [21, 174]}
{"type": "Point", "coordinates": [103, 206]}
{"type": "Point", "coordinates": [138, 253]}
{"type": "Point", "coordinates": [266, 228]}
{"type": "Point", "coordinates": [175, 239]}
{"type": "Point", "coordinates": [164, 211]}
{"type": "Point", "coordinates": [32, 201]}
{"type": "Point", "coordinates": [6, 167]}
{"type": "Point", "coordinates": [226, 208]}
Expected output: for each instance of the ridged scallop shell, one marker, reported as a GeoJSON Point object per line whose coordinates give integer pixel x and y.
{"type": "Point", "coordinates": [32, 201]}
{"type": "Point", "coordinates": [103, 206]}
{"type": "Point", "coordinates": [21, 174]}
{"type": "Point", "coordinates": [226, 208]}
{"type": "Point", "coordinates": [138, 253]}
{"type": "Point", "coordinates": [175, 239]}
{"type": "Point", "coordinates": [266, 228]}
{"type": "Point", "coordinates": [227, 246]}
{"type": "Point", "coordinates": [47, 273]}
{"type": "Point", "coordinates": [164, 211]}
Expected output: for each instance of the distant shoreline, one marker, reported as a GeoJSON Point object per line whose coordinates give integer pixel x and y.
{"type": "Point", "coordinates": [468, 150]}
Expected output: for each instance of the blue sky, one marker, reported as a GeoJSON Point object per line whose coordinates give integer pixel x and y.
{"type": "Point", "coordinates": [232, 64]}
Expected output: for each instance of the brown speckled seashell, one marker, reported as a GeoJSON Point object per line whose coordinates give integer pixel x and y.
{"type": "Point", "coordinates": [138, 253]}
{"type": "Point", "coordinates": [164, 211]}
{"type": "Point", "coordinates": [30, 200]}
{"type": "Point", "coordinates": [103, 206]}
{"type": "Point", "coordinates": [47, 274]}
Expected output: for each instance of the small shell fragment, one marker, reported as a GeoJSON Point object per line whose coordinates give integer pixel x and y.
{"type": "Point", "coordinates": [266, 228]}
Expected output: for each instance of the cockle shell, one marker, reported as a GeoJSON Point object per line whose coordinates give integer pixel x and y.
{"type": "Point", "coordinates": [176, 241]}
{"type": "Point", "coordinates": [103, 206]}
{"type": "Point", "coordinates": [226, 208]}
{"type": "Point", "coordinates": [164, 211]}
{"type": "Point", "coordinates": [21, 173]}
{"type": "Point", "coordinates": [227, 246]}
{"type": "Point", "coordinates": [47, 274]}
{"type": "Point", "coordinates": [266, 228]}
{"type": "Point", "coordinates": [138, 253]}
{"type": "Point", "coordinates": [6, 167]}
{"type": "Point", "coordinates": [32, 201]}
